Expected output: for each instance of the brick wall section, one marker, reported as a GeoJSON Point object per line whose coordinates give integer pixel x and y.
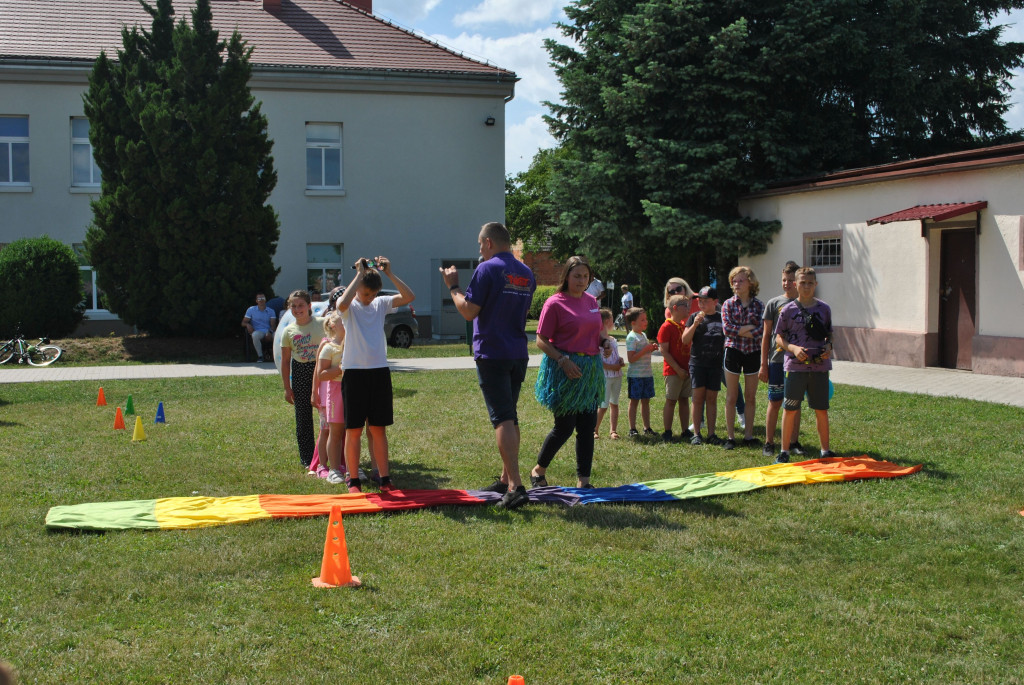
{"type": "Point", "coordinates": [546, 269]}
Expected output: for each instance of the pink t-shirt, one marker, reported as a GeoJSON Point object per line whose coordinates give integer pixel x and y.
{"type": "Point", "coordinates": [572, 324]}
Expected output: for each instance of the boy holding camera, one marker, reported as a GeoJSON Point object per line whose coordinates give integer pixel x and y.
{"type": "Point", "coordinates": [804, 333]}
{"type": "Point", "coordinates": [366, 383]}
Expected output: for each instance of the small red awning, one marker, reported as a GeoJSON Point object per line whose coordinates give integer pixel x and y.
{"type": "Point", "coordinates": [933, 212]}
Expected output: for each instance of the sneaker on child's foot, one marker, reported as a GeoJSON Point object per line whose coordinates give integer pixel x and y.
{"type": "Point", "coordinates": [743, 421]}
{"type": "Point", "coordinates": [336, 477]}
{"type": "Point", "coordinates": [497, 486]}
{"type": "Point", "coordinates": [374, 475]}
{"type": "Point", "coordinates": [783, 458]}
{"type": "Point", "coordinates": [513, 499]}
{"type": "Point", "coordinates": [729, 444]}
{"type": "Point", "coordinates": [648, 433]}
{"type": "Point", "coordinates": [696, 440]}
{"type": "Point", "coordinates": [667, 436]}
{"type": "Point", "coordinates": [751, 442]}
{"type": "Point", "coordinates": [796, 448]}
{"type": "Point", "coordinates": [827, 454]}
{"type": "Point", "coordinates": [768, 450]}
{"type": "Point", "coordinates": [387, 487]}
{"type": "Point", "coordinates": [634, 433]}
{"type": "Point", "coordinates": [686, 436]}
{"type": "Point", "coordinates": [713, 439]}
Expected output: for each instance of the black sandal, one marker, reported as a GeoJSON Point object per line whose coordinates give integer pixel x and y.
{"type": "Point", "coordinates": [538, 481]}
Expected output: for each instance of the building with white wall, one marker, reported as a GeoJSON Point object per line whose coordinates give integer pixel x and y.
{"type": "Point", "coordinates": [384, 143]}
{"type": "Point", "coordinates": [922, 261]}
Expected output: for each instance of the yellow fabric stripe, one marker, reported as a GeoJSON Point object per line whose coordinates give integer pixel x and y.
{"type": "Point", "coordinates": [196, 512]}
{"type": "Point", "coordinates": [780, 474]}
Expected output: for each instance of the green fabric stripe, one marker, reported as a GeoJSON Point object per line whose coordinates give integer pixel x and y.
{"type": "Point", "coordinates": [135, 514]}
{"type": "Point", "coordinates": [702, 485]}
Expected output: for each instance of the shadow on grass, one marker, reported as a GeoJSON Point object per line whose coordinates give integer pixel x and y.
{"type": "Point", "coordinates": [418, 476]}
{"type": "Point", "coordinates": [400, 393]}
{"type": "Point", "coordinates": [9, 423]}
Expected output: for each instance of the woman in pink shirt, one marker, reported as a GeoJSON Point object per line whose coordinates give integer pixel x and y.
{"type": "Point", "coordinates": [571, 378]}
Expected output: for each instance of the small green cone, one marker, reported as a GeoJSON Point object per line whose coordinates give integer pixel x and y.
{"type": "Point", "coordinates": [129, 408]}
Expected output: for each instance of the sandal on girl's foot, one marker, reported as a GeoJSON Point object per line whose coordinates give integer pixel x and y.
{"type": "Point", "coordinates": [597, 436]}
{"type": "Point", "coordinates": [538, 481]}
{"type": "Point", "coordinates": [613, 435]}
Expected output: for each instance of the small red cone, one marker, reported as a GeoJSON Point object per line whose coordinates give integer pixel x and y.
{"type": "Point", "coordinates": [334, 570]}
{"type": "Point", "coordinates": [119, 420]}
{"type": "Point", "coordinates": [516, 680]}
{"type": "Point", "coordinates": [101, 400]}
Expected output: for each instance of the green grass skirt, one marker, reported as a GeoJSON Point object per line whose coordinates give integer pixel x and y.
{"type": "Point", "coordinates": [561, 395]}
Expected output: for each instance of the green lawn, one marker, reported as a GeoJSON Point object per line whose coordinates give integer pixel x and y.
{"type": "Point", "coordinates": [907, 580]}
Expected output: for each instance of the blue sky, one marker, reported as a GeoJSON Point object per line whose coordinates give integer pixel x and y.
{"type": "Point", "coordinates": [511, 33]}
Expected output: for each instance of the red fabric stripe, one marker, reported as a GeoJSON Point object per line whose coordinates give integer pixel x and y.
{"type": "Point", "coordinates": [853, 468]}
{"type": "Point", "coordinates": [417, 499]}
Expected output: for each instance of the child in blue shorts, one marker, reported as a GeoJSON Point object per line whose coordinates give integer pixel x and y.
{"type": "Point", "coordinates": [639, 375]}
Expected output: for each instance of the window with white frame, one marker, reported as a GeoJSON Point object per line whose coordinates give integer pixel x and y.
{"type": "Point", "coordinates": [93, 295]}
{"type": "Point", "coordinates": [824, 251]}
{"type": "Point", "coordinates": [323, 156]}
{"type": "Point", "coordinates": [323, 265]}
{"type": "Point", "coordinates": [84, 171]}
{"type": "Point", "coordinates": [14, 150]}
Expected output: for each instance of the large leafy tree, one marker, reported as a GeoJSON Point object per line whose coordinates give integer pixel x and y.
{"type": "Point", "coordinates": [674, 109]}
{"type": "Point", "coordinates": [528, 210]}
{"type": "Point", "coordinates": [182, 234]}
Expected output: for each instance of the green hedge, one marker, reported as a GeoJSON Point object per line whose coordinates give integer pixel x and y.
{"type": "Point", "coordinates": [41, 288]}
{"type": "Point", "coordinates": [540, 296]}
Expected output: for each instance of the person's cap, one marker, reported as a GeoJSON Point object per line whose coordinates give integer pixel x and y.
{"type": "Point", "coordinates": [336, 294]}
{"type": "Point", "coordinates": [707, 292]}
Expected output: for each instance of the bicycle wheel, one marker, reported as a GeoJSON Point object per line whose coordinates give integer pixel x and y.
{"type": "Point", "coordinates": [44, 355]}
{"type": "Point", "coordinates": [6, 352]}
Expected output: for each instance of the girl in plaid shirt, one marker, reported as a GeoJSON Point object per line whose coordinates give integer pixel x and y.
{"type": "Point", "coordinates": [741, 321]}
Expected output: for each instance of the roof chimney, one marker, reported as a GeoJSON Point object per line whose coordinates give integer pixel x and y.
{"type": "Point", "coordinates": [365, 5]}
{"type": "Point", "coordinates": [271, 5]}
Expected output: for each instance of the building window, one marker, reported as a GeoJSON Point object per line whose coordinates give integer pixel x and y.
{"type": "Point", "coordinates": [93, 295]}
{"type": "Point", "coordinates": [323, 265]}
{"type": "Point", "coordinates": [14, 150]}
{"type": "Point", "coordinates": [84, 171]}
{"type": "Point", "coordinates": [323, 156]}
{"type": "Point", "coordinates": [824, 251]}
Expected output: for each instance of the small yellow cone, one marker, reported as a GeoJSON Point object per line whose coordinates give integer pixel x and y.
{"type": "Point", "coordinates": [139, 435]}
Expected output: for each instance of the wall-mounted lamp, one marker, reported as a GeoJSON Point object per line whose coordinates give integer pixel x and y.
{"type": "Point", "coordinates": [489, 121]}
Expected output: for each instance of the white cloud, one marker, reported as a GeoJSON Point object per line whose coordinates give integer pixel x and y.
{"type": "Point", "coordinates": [408, 10]}
{"type": "Point", "coordinates": [516, 12]}
{"type": "Point", "coordinates": [523, 140]}
{"type": "Point", "coordinates": [523, 53]}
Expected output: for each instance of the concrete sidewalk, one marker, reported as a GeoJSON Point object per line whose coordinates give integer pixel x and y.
{"type": "Point", "coordinates": [930, 381]}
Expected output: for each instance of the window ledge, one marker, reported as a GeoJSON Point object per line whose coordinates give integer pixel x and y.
{"type": "Point", "coordinates": [84, 190]}
{"type": "Point", "coordinates": [5, 188]}
{"type": "Point", "coordinates": [333, 192]}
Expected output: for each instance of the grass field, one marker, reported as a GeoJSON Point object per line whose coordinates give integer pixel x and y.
{"type": "Point", "coordinates": [916, 579]}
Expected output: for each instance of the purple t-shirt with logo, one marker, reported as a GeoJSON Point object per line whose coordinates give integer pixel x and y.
{"type": "Point", "coordinates": [791, 328]}
{"type": "Point", "coordinates": [503, 288]}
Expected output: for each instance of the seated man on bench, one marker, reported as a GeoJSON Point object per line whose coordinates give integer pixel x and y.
{"type": "Point", "coordinates": [260, 321]}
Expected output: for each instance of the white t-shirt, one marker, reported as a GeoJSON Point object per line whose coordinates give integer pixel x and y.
{"type": "Point", "coordinates": [365, 344]}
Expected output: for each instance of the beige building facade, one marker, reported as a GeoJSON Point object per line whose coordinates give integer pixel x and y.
{"type": "Point", "coordinates": [922, 262]}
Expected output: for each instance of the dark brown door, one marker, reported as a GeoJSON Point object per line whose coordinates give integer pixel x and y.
{"type": "Point", "coordinates": [958, 304]}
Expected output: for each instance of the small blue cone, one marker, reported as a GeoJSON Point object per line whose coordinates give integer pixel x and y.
{"type": "Point", "coordinates": [160, 414]}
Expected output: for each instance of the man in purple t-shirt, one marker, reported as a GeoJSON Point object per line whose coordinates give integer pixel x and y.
{"type": "Point", "coordinates": [804, 333]}
{"type": "Point", "coordinates": [497, 301]}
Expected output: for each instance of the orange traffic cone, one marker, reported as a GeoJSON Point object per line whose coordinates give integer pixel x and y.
{"type": "Point", "coordinates": [101, 400]}
{"type": "Point", "coordinates": [119, 420]}
{"type": "Point", "coordinates": [139, 435]}
{"type": "Point", "coordinates": [334, 570]}
{"type": "Point", "coordinates": [516, 680]}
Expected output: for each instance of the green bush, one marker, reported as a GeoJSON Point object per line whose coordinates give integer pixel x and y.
{"type": "Point", "coordinates": [540, 296]}
{"type": "Point", "coordinates": [40, 288]}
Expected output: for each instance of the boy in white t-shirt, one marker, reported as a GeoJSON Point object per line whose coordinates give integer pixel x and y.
{"type": "Point", "coordinates": [366, 383]}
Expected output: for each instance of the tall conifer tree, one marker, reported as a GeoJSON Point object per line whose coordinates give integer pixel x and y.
{"type": "Point", "coordinates": [674, 109]}
{"type": "Point", "coordinates": [182, 234]}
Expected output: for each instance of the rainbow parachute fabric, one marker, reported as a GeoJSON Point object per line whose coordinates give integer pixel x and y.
{"type": "Point", "coordinates": [172, 513]}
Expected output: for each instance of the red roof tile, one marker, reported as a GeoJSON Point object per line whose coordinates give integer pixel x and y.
{"type": "Point", "coordinates": [325, 34]}
{"type": "Point", "coordinates": [934, 212]}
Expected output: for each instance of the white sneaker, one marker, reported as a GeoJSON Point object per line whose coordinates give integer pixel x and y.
{"type": "Point", "coordinates": [336, 477]}
{"type": "Point", "coordinates": [691, 428]}
{"type": "Point", "coordinates": [743, 421]}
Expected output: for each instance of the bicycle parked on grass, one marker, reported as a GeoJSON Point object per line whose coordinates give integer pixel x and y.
{"type": "Point", "coordinates": [39, 354]}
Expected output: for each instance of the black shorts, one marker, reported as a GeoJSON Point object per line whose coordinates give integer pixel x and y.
{"type": "Point", "coordinates": [812, 383]}
{"type": "Point", "coordinates": [367, 396]}
{"type": "Point", "coordinates": [500, 381]}
{"type": "Point", "coordinates": [747, 363]}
